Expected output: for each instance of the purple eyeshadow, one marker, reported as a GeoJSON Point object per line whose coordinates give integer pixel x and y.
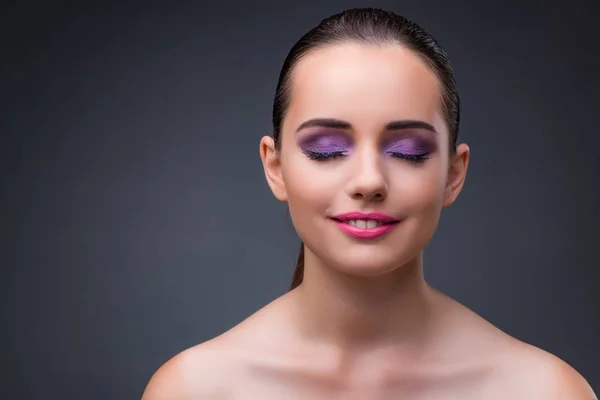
{"type": "Point", "coordinates": [410, 146]}
{"type": "Point", "coordinates": [325, 143]}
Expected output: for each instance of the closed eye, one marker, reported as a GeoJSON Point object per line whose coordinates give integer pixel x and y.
{"type": "Point", "coordinates": [321, 156]}
{"type": "Point", "coordinates": [415, 158]}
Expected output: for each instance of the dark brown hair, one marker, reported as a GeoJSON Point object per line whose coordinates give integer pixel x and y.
{"type": "Point", "coordinates": [371, 27]}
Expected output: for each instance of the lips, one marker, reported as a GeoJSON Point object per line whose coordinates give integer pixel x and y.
{"type": "Point", "coordinates": [374, 216]}
{"type": "Point", "coordinates": [365, 225]}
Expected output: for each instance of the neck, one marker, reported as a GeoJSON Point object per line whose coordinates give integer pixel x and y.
{"type": "Point", "coordinates": [358, 313]}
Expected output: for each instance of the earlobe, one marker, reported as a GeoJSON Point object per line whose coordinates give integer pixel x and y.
{"type": "Point", "coordinates": [456, 174]}
{"type": "Point", "coordinates": [270, 158]}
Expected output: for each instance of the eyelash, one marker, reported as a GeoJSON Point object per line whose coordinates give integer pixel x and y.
{"type": "Point", "coordinates": [414, 158]}
{"type": "Point", "coordinates": [315, 155]}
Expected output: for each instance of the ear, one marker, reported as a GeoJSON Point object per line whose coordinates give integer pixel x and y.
{"type": "Point", "coordinates": [272, 165]}
{"type": "Point", "coordinates": [457, 171]}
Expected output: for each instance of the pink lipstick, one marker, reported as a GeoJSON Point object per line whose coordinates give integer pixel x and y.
{"type": "Point", "coordinates": [365, 225]}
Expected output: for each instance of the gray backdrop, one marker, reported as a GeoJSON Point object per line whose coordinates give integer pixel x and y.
{"type": "Point", "coordinates": [136, 222]}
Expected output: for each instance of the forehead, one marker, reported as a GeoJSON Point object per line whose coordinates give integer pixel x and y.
{"type": "Point", "coordinates": [365, 85]}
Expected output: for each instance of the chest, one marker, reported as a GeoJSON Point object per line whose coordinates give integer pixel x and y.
{"type": "Point", "coordinates": [474, 385]}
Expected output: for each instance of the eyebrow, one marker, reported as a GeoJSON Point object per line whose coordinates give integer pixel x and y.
{"type": "Point", "coordinates": [390, 126]}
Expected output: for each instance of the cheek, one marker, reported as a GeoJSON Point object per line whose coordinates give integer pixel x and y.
{"type": "Point", "coordinates": [309, 196]}
{"type": "Point", "coordinates": [308, 188]}
{"type": "Point", "coordinates": [422, 191]}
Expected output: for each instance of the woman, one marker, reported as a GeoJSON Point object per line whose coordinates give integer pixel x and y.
{"type": "Point", "coordinates": [365, 154]}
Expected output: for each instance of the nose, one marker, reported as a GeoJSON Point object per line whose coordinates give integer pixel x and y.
{"type": "Point", "coordinates": [368, 182]}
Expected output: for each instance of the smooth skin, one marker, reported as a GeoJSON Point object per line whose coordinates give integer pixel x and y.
{"type": "Point", "coordinates": [364, 324]}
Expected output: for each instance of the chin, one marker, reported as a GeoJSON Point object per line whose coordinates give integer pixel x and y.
{"type": "Point", "coordinates": [367, 263]}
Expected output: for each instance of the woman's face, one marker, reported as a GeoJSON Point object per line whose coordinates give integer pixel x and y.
{"type": "Point", "coordinates": [364, 133]}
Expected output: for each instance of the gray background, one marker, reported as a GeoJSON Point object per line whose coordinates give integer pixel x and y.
{"type": "Point", "coordinates": [136, 222]}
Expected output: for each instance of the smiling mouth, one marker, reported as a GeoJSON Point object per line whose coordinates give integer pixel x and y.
{"type": "Point", "coordinates": [364, 223]}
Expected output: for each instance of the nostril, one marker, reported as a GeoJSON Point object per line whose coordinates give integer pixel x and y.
{"type": "Point", "coordinates": [377, 196]}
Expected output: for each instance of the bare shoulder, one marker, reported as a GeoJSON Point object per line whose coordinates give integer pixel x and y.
{"type": "Point", "coordinates": [212, 370]}
{"type": "Point", "coordinates": [518, 370]}
{"type": "Point", "coordinates": [200, 372]}
{"type": "Point", "coordinates": [533, 373]}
